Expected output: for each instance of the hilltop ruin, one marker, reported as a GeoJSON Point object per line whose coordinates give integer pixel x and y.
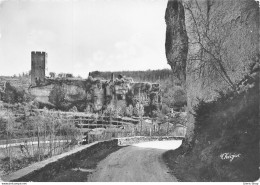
{"type": "Point", "coordinates": [91, 94]}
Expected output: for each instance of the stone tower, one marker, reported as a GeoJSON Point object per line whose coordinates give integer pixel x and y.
{"type": "Point", "coordinates": [38, 60]}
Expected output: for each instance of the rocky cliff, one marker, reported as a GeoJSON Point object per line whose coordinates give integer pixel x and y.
{"type": "Point", "coordinates": [176, 44]}
{"type": "Point", "coordinates": [213, 43]}
{"type": "Point", "coordinates": [95, 95]}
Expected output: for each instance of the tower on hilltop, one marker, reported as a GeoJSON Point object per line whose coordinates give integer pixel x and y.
{"type": "Point", "coordinates": [38, 62]}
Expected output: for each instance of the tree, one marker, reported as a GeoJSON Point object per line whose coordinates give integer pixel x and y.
{"type": "Point", "coordinates": [129, 110]}
{"type": "Point", "coordinates": [174, 97]}
{"type": "Point", "coordinates": [10, 132]}
{"type": "Point", "coordinates": [52, 74]}
{"type": "Point", "coordinates": [165, 109]}
{"type": "Point", "coordinates": [111, 112]}
{"type": "Point", "coordinates": [129, 97]}
{"type": "Point", "coordinates": [138, 110]}
{"type": "Point", "coordinates": [73, 109]}
{"type": "Point", "coordinates": [57, 96]}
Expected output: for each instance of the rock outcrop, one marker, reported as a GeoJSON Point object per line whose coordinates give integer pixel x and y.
{"type": "Point", "coordinates": [223, 44]}
{"type": "Point", "coordinates": [95, 95]}
{"type": "Point", "coordinates": [176, 44]}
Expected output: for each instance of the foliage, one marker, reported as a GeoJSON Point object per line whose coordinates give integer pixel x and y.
{"type": "Point", "coordinates": [52, 74]}
{"type": "Point", "coordinates": [87, 109]}
{"type": "Point", "coordinates": [111, 111]}
{"type": "Point", "coordinates": [165, 109]}
{"type": "Point", "coordinates": [141, 76]}
{"type": "Point", "coordinates": [129, 110]}
{"type": "Point", "coordinates": [57, 96]}
{"type": "Point", "coordinates": [121, 108]}
{"type": "Point", "coordinates": [174, 97]}
{"type": "Point", "coordinates": [139, 110]}
{"type": "Point", "coordinates": [3, 126]}
{"type": "Point", "coordinates": [35, 127]}
{"type": "Point", "coordinates": [14, 95]}
{"type": "Point", "coordinates": [73, 109]}
{"type": "Point", "coordinates": [129, 98]}
{"type": "Point", "coordinates": [229, 124]}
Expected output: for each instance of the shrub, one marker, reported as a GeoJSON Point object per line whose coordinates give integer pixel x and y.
{"type": "Point", "coordinates": [14, 95]}
{"type": "Point", "coordinates": [175, 97]}
{"type": "Point", "coordinates": [57, 96]}
{"type": "Point", "coordinates": [228, 124]}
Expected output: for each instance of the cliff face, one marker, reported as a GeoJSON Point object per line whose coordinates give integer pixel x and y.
{"type": "Point", "coordinates": [223, 43]}
{"type": "Point", "coordinates": [176, 44]}
{"type": "Point", "coordinates": [95, 95]}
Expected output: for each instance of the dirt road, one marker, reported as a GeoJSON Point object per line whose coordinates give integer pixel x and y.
{"type": "Point", "coordinates": [139, 163]}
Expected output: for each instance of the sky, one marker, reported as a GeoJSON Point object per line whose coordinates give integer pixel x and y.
{"type": "Point", "coordinates": [83, 35]}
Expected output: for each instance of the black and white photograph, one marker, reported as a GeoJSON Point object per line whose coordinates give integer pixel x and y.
{"type": "Point", "coordinates": [129, 91]}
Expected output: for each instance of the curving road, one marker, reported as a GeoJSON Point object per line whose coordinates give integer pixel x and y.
{"type": "Point", "coordinates": [137, 163]}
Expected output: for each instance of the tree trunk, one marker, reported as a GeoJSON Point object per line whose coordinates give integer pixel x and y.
{"type": "Point", "coordinates": [44, 138]}
{"type": "Point", "coordinates": [38, 138]}
{"type": "Point", "coordinates": [8, 150]}
{"type": "Point", "coordinates": [168, 128]}
{"type": "Point", "coordinates": [141, 125]}
{"type": "Point", "coordinates": [50, 141]}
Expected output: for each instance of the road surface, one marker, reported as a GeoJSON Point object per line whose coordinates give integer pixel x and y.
{"type": "Point", "coordinates": [137, 163]}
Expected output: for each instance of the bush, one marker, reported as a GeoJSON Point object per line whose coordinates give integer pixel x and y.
{"type": "Point", "coordinates": [13, 95]}
{"type": "Point", "coordinates": [175, 97]}
{"type": "Point", "coordinates": [57, 96]}
{"type": "Point", "coordinates": [228, 124]}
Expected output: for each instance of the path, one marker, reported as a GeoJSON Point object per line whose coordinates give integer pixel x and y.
{"type": "Point", "coordinates": [137, 163]}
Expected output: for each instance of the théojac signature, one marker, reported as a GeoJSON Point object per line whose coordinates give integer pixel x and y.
{"type": "Point", "coordinates": [229, 156]}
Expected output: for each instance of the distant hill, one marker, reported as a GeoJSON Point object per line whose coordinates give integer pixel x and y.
{"type": "Point", "coordinates": [138, 76]}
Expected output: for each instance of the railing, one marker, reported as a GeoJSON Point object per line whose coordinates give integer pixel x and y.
{"type": "Point", "coordinates": [166, 130]}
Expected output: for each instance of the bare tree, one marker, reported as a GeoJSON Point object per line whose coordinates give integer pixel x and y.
{"type": "Point", "coordinates": [139, 111]}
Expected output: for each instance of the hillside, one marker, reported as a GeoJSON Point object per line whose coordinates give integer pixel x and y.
{"type": "Point", "coordinates": [223, 44]}
{"type": "Point", "coordinates": [214, 47]}
{"type": "Point", "coordinates": [225, 146]}
{"type": "Point", "coordinates": [21, 82]}
{"type": "Point", "coordinates": [138, 76]}
{"type": "Point", "coordinates": [173, 90]}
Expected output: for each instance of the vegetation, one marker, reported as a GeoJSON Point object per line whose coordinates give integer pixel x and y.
{"type": "Point", "coordinates": [52, 134]}
{"type": "Point", "coordinates": [40, 135]}
{"type": "Point", "coordinates": [138, 76]}
{"type": "Point", "coordinates": [174, 97]}
{"type": "Point", "coordinates": [173, 91]}
{"type": "Point", "coordinates": [57, 97]}
{"type": "Point", "coordinates": [230, 125]}
{"type": "Point", "coordinates": [14, 95]}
